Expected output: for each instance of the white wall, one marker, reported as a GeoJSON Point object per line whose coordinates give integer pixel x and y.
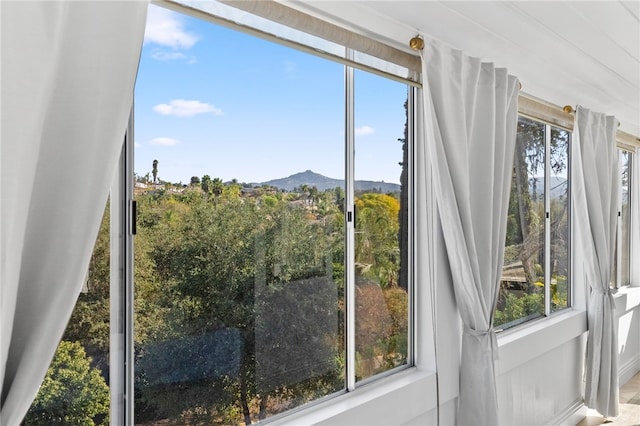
{"type": "Point", "coordinates": [627, 314]}
{"type": "Point", "coordinates": [540, 370]}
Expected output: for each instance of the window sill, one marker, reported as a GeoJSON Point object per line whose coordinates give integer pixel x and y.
{"type": "Point", "coordinates": [627, 298]}
{"type": "Point", "coordinates": [411, 392]}
{"type": "Point", "coordinates": [527, 342]}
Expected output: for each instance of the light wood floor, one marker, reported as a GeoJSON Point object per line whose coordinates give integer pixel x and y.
{"type": "Point", "coordinates": [629, 407]}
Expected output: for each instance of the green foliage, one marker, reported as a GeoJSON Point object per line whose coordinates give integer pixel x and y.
{"type": "Point", "coordinates": [522, 287]}
{"type": "Point", "coordinates": [517, 307]}
{"type": "Point", "coordinates": [205, 184]}
{"type": "Point", "coordinates": [89, 323]}
{"type": "Point", "coordinates": [239, 300]}
{"type": "Point", "coordinates": [217, 186]}
{"type": "Point", "coordinates": [378, 253]}
{"type": "Point", "coordinates": [381, 328]}
{"type": "Point", "coordinates": [72, 392]}
{"type": "Point", "coordinates": [226, 265]}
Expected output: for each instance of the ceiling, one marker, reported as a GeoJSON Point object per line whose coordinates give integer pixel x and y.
{"type": "Point", "coordinates": [563, 52]}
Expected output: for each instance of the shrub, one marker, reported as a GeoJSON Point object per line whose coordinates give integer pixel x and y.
{"type": "Point", "coordinates": [72, 392]}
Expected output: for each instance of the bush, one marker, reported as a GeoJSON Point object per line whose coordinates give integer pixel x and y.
{"type": "Point", "coordinates": [72, 392]}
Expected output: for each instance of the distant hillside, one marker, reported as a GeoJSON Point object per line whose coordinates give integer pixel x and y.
{"type": "Point", "coordinates": [323, 183]}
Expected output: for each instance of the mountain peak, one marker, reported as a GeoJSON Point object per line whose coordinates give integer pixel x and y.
{"type": "Point", "coordinates": [311, 178]}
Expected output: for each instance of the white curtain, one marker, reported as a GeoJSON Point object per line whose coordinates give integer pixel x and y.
{"type": "Point", "coordinates": [470, 113]}
{"type": "Point", "coordinates": [595, 200]}
{"type": "Point", "coordinates": [68, 72]}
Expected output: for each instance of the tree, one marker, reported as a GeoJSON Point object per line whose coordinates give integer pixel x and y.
{"type": "Point", "coordinates": [154, 171]}
{"type": "Point", "coordinates": [314, 195]}
{"type": "Point", "coordinates": [304, 188]}
{"type": "Point", "coordinates": [195, 180]}
{"type": "Point", "coordinates": [525, 242]}
{"type": "Point", "coordinates": [377, 251]}
{"type": "Point", "coordinates": [72, 392]}
{"type": "Point", "coordinates": [223, 267]}
{"type": "Point", "coordinates": [206, 184]}
{"type": "Point", "coordinates": [217, 186]}
{"type": "Point", "coordinates": [403, 213]}
{"type": "Point", "coordinates": [339, 197]}
{"type": "Point", "coordinates": [89, 321]}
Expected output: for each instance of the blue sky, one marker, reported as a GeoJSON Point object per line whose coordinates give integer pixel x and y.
{"type": "Point", "coordinates": [210, 100]}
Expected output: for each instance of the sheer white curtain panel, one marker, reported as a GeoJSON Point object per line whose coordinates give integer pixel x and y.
{"type": "Point", "coordinates": [68, 72]}
{"type": "Point", "coordinates": [595, 200]}
{"type": "Point", "coordinates": [470, 118]}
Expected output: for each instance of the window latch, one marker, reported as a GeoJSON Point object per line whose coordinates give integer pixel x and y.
{"type": "Point", "coordinates": [134, 217]}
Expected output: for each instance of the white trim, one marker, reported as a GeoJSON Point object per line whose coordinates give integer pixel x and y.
{"type": "Point", "coordinates": [117, 353]}
{"type": "Point", "coordinates": [522, 344]}
{"type": "Point", "coordinates": [349, 249]}
{"type": "Point", "coordinates": [548, 113]}
{"type": "Point", "coordinates": [121, 347]}
{"type": "Point", "coordinates": [410, 393]}
{"type": "Point", "coordinates": [631, 297]}
{"type": "Point", "coordinates": [627, 299]}
{"type": "Point", "coordinates": [547, 220]}
{"type": "Point", "coordinates": [572, 415]}
{"type": "Point", "coordinates": [629, 369]}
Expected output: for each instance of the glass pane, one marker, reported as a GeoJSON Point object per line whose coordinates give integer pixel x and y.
{"type": "Point", "coordinates": [381, 250]}
{"type": "Point", "coordinates": [240, 247]}
{"type": "Point", "coordinates": [75, 390]}
{"type": "Point", "coordinates": [625, 217]}
{"type": "Point", "coordinates": [559, 218]}
{"type": "Point", "coordinates": [522, 284]}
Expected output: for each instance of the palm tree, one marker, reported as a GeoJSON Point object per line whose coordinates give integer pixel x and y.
{"type": "Point", "coordinates": [154, 171]}
{"type": "Point", "coordinates": [217, 186]}
{"type": "Point", "coordinates": [206, 184]}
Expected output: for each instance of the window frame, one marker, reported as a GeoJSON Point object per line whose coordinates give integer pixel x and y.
{"type": "Point", "coordinates": [618, 284]}
{"type": "Point", "coordinates": [123, 230]}
{"type": "Point", "coordinates": [548, 312]}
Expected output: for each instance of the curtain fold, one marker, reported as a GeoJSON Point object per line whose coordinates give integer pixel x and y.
{"type": "Point", "coordinates": [470, 114]}
{"type": "Point", "coordinates": [68, 72]}
{"type": "Point", "coordinates": [595, 200]}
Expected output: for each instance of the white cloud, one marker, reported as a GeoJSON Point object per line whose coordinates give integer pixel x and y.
{"type": "Point", "coordinates": [167, 29]}
{"type": "Point", "coordinates": [185, 108]}
{"type": "Point", "coordinates": [166, 55]}
{"type": "Point", "coordinates": [164, 141]}
{"type": "Point", "coordinates": [364, 130]}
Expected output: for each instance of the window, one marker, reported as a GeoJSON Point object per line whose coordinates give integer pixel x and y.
{"type": "Point", "coordinates": [271, 255]}
{"type": "Point", "coordinates": [622, 268]}
{"type": "Point", "coordinates": [535, 277]}
{"type": "Point", "coordinates": [381, 203]}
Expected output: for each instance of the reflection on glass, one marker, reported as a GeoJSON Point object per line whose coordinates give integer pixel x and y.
{"type": "Point", "coordinates": [559, 218]}
{"type": "Point", "coordinates": [381, 249]}
{"type": "Point", "coordinates": [239, 307]}
{"type": "Point", "coordinates": [523, 277]}
{"type": "Point", "coordinates": [75, 390]}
